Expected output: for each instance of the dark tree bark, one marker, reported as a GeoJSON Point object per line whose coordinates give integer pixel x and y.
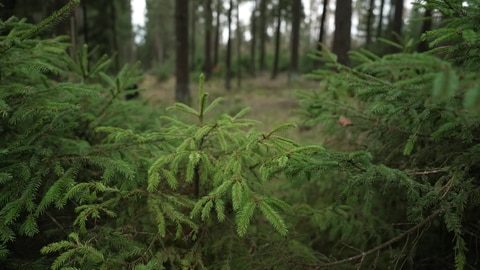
{"type": "Point", "coordinates": [370, 16]}
{"type": "Point", "coordinates": [426, 26]}
{"type": "Point", "coordinates": [277, 42]}
{"type": "Point", "coordinates": [253, 41]}
{"type": "Point", "coordinates": [262, 33]}
{"type": "Point", "coordinates": [217, 33]}
{"type": "Point", "coordinates": [343, 24]}
{"type": "Point", "coordinates": [239, 47]}
{"type": "Point", "coordinates": [207, 68]}
{"type": "Point", "coordinates": [380, 19]}
{"type": "Point", "coordinates": [321, 33]}
{"type": "Point", "coordinates": [397, 22]}
{"type": "Point", "coordinates": [124, 31]}
{"type": "Point", "coordinates": [182, 91]}
{"type": "Point", "coordinates": [113, 24]}
{"type": "Point", "coordinates": [296, 16]}
{"type": "Point", "coordinates": [193, 22]}
{"type": "Point", "coordinates": [85, 21]}
{"type": "Point", "coordinates": [228, 68]}
{"type": "Point", "coordinates": [158, 44]}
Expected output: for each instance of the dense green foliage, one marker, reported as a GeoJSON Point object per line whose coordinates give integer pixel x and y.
{"type": "Point", "coordinates": [91, 181]}
{"type": "Point", "coordinates": [415, 117]}
{"type": "Point", "coordinates": [94, 182]}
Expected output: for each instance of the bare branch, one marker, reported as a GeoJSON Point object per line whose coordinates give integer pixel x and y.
{"type": "Point", "coordinates": [426, 172]}
{"type": "Point", "coordinates": [362, 255]}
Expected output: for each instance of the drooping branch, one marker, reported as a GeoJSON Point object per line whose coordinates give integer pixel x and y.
{"type": "Point", "coordinates": [386, 244]}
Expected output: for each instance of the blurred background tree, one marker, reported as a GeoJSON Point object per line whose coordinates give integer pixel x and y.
{"type": "Point", "coordinates": [278, 35]}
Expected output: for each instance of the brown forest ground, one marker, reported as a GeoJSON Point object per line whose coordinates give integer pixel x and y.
{"type": "Point", "coordinates": [272, 102]}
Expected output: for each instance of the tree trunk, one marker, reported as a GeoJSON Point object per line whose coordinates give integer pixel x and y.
{"type": "Point", "coordinates": [193, 22]}
{"type": "Point", "coordinates": [129, 48]}
{"type": "Point", "coordinates": [207, 68]}
{"type": "Point", "coordinates": [85, 21]}
{"type": "Point", "coordinates": [158, 44]}
{"type": "Point", "coordinates": [397, 23]}
{"type": "Point", "coordinates": [239, 48]}
{"type": "Point", "coordinates": [228, 68]}
{"type": "Point", "coordinates": [113, 24]}
{"type": "Point", "coordinates": [296, 14]}
{"type": "Point", "coordinates": [370, 16]}
{"type": "Point", "coordinates": [277, 42]}
{"type": "Point", "coordinates": [380, 19]}
{"type": "Point", "coordinates": [253, 42]}
{"type": "Point", "coordinates": [217, 33]}
{"type": "Point", "coordinates": [182, 91]}
{"type": "Point", "coordinates": [426, 26]}
{"type": "Point", "coordinates": [321, 34]}
{"type": "Point", "coordinates": [343, 24]}
{"type": "Point", "coordinates": [263, 34]}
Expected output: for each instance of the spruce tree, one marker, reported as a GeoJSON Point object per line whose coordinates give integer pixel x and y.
{"type": "Point", "coordinates": [414, 124]}
{"type": "Point", "coordinates": [91, 181]}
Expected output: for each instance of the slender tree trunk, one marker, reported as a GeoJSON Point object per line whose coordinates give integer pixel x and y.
{"type": "Point", "coordinates": [321, 34]}
{"type": "Point", "coordinates": [343, 24]}
{"type": "Point", "coordinates": [263, 34]}
{"type": "Point", "coordinates": [217, 33]}
{"type": "Point", "coordinates": [380, 19]}
{"type": "Point", "coordinates": [193, 22]}
{"type": "Point", "coordinates": [370, 16]}
{"type": "Point", "coordinates": [85, 21]}
{"type": "Point", "coordinates": [73, 37]}
{"type": "Point", "coordinates": [207, 68]}
{"type": "Point", "coordinates": [130, 47]}
{"type": "Point", "coordinates": [159, 44]}
{"type": "Point", "coordinates": [398, 17]}
{"type": "Point", "coordinates": [397, 23]}
{"type": "Point", "coordinates": [182, 91]}
{"type": "Point", "coordinates": [277, 42]}
{"type": "Point", "coordinates": [228, 68]}
{"type": "Point", "coordinates": [239, 48]}
{"type": "Point", "coordinates": [253, 42]}
{"type": "Point", "coordinates": [116, 48]}
{"type": "Point", "coordinates": [427, 26]}
{"type": "Point", "coordinates": [296, 14]}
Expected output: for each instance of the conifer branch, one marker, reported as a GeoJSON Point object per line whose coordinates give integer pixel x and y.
{"type": "Point", "coordinates": [56, 222]}
{"type": "Point", "coordinates": [55, 18]}
{"type": "Point", "coordinates": [386, 244]}
{"type": "Point", "coordinates": [427, 172]}
{"type": "Point", "coordinates": [52, 19]}
{"type": "Point", "coordinates": [196, 176]}
{"type": "Point", "coordinates": [458, 12]}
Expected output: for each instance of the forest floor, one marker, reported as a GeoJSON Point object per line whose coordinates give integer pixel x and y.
{"type": "Point", "coordinates": [272, 102]}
